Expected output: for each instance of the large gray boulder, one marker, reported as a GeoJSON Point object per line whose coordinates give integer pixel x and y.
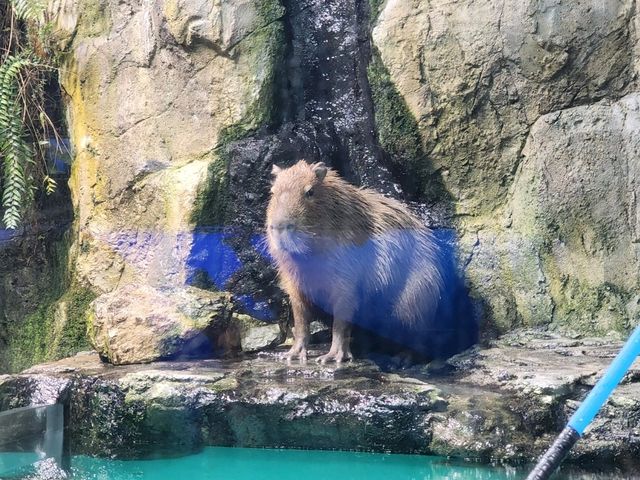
{"type": "Point", "coordinates": [142, 324]}
{"type": "Point", "coordinates": [152, 90]}
{"type": "Point", "coordinates": [574, 212]}
{"type": "Point", "coordinates": [515, 107]}
{"type": "Point", "coordinates": [477, 74]}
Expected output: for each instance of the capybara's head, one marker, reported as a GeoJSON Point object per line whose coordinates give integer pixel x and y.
{"type": "Point", "coordinates": [297, 210]}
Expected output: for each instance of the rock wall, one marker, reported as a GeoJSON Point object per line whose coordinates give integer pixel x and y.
{"type": "Point", "coordinates": [153, 88]}
{"type": "Point", "coordinates": [512, 122]}
{"type": "Point", "coordinates": [526, 111]}
{"type": "Point", "coordinates": [153, 91]}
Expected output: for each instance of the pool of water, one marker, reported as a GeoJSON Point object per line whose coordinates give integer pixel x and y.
{"type": "Point", "coordinates": [258, 464]}
{"type": "Point", "coordinates": [11, 462]}
{"type": "Point", "coordinates": [254, 464]}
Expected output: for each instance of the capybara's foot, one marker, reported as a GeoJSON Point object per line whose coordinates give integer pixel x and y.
{"type": "Point", "coordinates": [298, 351]}
{"type": "Point", "coordinates": [337, 355]}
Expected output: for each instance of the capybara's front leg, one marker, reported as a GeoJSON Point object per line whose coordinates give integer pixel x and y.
{"type": "Point", "coordinates": [340, 350]}
{"type": "Point", "coordinates": [301, 319]}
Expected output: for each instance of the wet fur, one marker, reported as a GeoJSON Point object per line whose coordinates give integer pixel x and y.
{"type": "Point", "coordinates": [350, 248]}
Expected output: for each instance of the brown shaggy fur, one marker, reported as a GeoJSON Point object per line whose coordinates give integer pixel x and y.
{"type": "Point", "coordinates": [336, 246]}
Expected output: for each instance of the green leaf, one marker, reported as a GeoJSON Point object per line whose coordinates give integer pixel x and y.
{"type": "Point", "coordinates": [15, 150]}
{"type": "Point", "coordinates": [28, 9]}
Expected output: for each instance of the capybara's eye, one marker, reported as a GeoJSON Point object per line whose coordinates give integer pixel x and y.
{"type": "Point", "coordinates": [308, 193]}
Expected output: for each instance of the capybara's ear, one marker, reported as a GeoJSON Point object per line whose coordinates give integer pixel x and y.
{"type": "Point", "coordinates": [320, 169]}
{"type": "Point", "coordinates": [275, 170]}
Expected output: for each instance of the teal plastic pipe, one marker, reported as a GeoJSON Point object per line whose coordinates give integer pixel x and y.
{"type": "Point", "coordinates": [581, 419]}
{"type": "Point", "coordinates": [600, 393]}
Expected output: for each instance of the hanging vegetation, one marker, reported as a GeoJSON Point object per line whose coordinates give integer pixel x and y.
{"type": "Point", "coordinates": [25, 127]}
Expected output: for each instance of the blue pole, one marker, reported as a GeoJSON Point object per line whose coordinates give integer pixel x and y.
{"type": "Point", "coordinates": [588, 409]}
{"type": "Point", "coordinates": [600, 393]}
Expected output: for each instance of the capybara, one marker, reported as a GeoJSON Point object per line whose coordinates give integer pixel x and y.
{"type": "Point", "coordinates": [361, 257]}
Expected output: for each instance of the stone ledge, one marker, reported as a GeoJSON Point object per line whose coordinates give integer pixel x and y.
{"type": "Point", "coordinates": [504, 403]}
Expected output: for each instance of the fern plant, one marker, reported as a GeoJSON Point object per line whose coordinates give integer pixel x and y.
{"type": "Point", "coordinates": [14, 146]}
{"type": "Point", "coordinates": [28, 9]}
{"type": "Point", "coordinates": [21, 93]}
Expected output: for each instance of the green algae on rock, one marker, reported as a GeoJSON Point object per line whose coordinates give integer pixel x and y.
{"type": "Point", "coordinates": [398, 132]}
{"type": "Point", "coordinates": [57, 329]}
{"type": "Point", "coordinates": [42, 307]}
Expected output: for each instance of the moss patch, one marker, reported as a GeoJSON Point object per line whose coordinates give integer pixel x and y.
{"type": "Point", "coordinates": [210, 206]}
{"type": "Point", "coordinates": [591, 310]}
{"type": "Point", "coordinates": [72, 337]}
{"type": "Point", "coordinates": [266, 47]}
{"type": "Point", "coordinates": [399, 136]}
{"type": "Point", "coordinates": [57, 329]}
{"type": "Point", "coordinates": [95, 18]}
{"type": "Point", "coordinates": [375, 6]}
{"type": "Point", "coordinates": [397, 129]}
{"type": "Point", "coordinates": [270, 10]}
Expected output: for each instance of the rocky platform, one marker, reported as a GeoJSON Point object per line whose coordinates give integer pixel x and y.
{"type": "Point", "coordinates": [504, 403]}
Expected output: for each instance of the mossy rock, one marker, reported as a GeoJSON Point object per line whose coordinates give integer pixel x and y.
{"type": "Point", "coordinates": [55, 330]}
{"type": "Point", "coordinates": [401, 140]}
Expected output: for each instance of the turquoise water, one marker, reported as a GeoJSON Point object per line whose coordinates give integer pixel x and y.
{"type": "Point", "coordinates": [256, 464]}
{"type": "Point", "coordinates": [12, 462]}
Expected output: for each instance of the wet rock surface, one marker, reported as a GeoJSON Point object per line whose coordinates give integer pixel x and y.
{"type": "Point", "coordinates": [503, 403]}
{"type": "Point", "coordinates": [324, 113]}
{"type": "Point", "coordinates": [140, 324]}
